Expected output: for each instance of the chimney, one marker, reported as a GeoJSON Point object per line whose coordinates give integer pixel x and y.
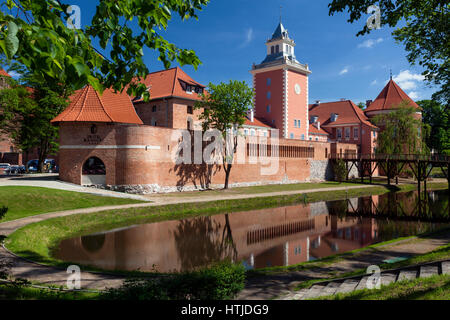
{"type": "Point", "coordinates": [252, 115]}
{"type": "Point", "coordinates": [368, 102]}
{"type": "Point", "coordinates": [318, 125]}
{"type": "Point", "coordinates": [317, 102]}
{"type": "Point", "coordinates": [343, 99]}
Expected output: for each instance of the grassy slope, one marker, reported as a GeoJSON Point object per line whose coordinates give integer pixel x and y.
{"type": "Point", "coordinates": [37, 241]}
{"type": "Point", "coordinates": [265, 188]}
{"type": "Point", "coordinates": [433, 288]}
{"type": "Point", "coordinates": [28, 201]}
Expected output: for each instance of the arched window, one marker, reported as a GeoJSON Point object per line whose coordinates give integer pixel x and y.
{"type": "Point", "coordinates": [268, 95]}
{"type": "Point", "coordinates": [94, 166]}
{"type": "Point", "coordinates": [277, 49]}
{"type": "Point", "coordinates": [272, 50]}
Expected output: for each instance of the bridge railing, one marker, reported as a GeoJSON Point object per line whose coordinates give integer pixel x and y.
{"type": "Point", "coordinates": [404, 157]}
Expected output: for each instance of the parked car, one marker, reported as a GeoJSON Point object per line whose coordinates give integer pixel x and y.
{"type": "Point", "coordinates": [4, 168]}
{"type": "Point", "coordinates": [16, 169]}
{"type": "Point", "coordinates": [49, 166]}
{"type": "Point", "coordinates": [32, 165]}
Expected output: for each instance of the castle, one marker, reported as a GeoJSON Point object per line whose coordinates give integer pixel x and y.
{"type": "Point", "coordinates": [128, 144]}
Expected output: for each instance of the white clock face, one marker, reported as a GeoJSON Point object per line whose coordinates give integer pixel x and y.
{"type": "Point", "coordinates": [297, 88]}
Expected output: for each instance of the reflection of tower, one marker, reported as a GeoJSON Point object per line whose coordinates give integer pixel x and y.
{"type": "Point", "coordinates": [281, 87]}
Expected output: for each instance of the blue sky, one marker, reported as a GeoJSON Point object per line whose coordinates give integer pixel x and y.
{"type": "Point", "coordinates": [230, 35]}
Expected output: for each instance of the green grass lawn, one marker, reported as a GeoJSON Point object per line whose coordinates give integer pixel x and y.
{"type": "Point", "coordinates": [14, 292]}
{"type": "Point", "coordinates": [28, 201]}
{"type": "Point", "coordinates": [264, 189]}
{"type": "Point", "coordinates": [433, 288]}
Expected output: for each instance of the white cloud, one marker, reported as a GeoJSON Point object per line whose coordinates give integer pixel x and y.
{"type": "Point", "coordinates": [370, 43]}
{"type": "Point", "coordinates": [414, 95]}
{"type": "Point", "coordinates": [407, 80]}
{"type": "Point", "coordinates": [374, 82]}
{"type": "Point", "coordinates": [343, 71]}
{"type": "Point", "coordinates": [248, 37]}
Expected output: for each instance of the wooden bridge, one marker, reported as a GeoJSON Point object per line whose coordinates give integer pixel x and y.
{"type": "Point", "coordinates": [392, 165]}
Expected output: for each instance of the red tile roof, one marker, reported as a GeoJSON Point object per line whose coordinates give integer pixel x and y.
{"type": "Point", "coordinates": [167, 83]}
{"type": "Point", "coordinates": [256, 123]}
{"type": "Point", "coordinates": [87, 105]}
{"type": "Point", "coordinates": [314, 130]}
{"type": "Point", "coordinates": [347, 112]}
{"type": "Point", "coordinates": [4, 73]}
{"type": "Point", "coordinates": [389, 97]}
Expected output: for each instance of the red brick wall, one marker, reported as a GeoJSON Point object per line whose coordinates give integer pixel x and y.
{"type": "Point", "coordinates": [134, 165]}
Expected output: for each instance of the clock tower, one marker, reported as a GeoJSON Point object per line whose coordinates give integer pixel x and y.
{"type": "Point", "coordinates": [281, 87]}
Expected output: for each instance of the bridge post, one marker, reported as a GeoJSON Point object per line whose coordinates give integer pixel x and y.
{"type": "Point", "coordinates": [419, 174]}
{"type": "Point", "coordinates": [388, 173]}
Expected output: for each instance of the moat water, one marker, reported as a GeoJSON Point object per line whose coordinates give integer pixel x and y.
{"type": "Point", "coordinates": [262, 238]}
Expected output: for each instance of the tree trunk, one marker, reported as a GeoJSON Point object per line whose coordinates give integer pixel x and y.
{"type": "Point", "coordinates": [227, 175]}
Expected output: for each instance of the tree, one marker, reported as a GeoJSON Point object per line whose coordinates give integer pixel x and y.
{"type": "Point", "coordinates": [34, 33]}
{"type": "Point", "coordinates": [27, 110]}
{"type": "Point", "coordinates": [400, 132]}
{"type": "Point", "coordinates": [437, 117]}
{"type": "Point", "coordinates": [225, 107]}
{"type": "Point", "coordinates": [361, 105]}
{"type": "Point", "coordinates": [424, 31]}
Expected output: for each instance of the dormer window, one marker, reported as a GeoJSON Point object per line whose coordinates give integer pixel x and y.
{"type": "Point", "coordinates": [333, 117]}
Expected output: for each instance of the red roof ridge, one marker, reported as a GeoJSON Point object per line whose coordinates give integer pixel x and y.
{"type": "Point", "coordinates": [174, 80]}
{"type": "Point", "coordinates": [103, 106]}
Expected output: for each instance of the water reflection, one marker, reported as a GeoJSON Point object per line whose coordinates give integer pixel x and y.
{"type": "Point", "coordinates": [260, 238]}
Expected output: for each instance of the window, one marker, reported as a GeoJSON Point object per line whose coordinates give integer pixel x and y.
{"type": "Point", "coordinates": [252, 132]}
{"type": "Point", "coordinates": [245, 132]}
{"type": "Point", "coordinates": [317, 139]}
{"type": "Point", "coordinates": [265, 134]}
{"type": "Point", "coordinates": [339, 133]}
{"type": "Point", "coordinates": [347, 133]}
{"type": "Point", "coordinates": [374, 134]}
{"type": "Point", "coordinates": [190, 109]}
{"type": "Point", "coordinates": [310, 138]}
{"type": "Point", "coordinates": [268, 94]}
{"type": "Point", "coordinates": [298, 124]}
{"type": "Point", "coordinates": [277, 49]}
{"type": "Point", "coordinates": [295, 123]}
{"type": "Point", "coordinates": [355, 133]}
{"type": "Point", "coordinates": [272, 50]}
{"type": "Point", "coordinates": [292, 135]}
{"type": "Point", "coordinates": [154, 109]}
{"type": "Point", "coordinates": [269, 81]}
{"type": "Point", "coordinates": [94, 166]}
{"type": "Point", "coordinates": [268, 109]}
{"type": "Point", "coordinates": [303, 137]}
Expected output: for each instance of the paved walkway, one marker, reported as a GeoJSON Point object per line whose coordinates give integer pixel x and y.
{"type": "Point", "coordinates": [348, 285]}
{"type": "Point", "coordinates": [256, 288]}
{"type": "Point", "coordinates": [50, 180]}
{"type": "Point", "coordinates": [278, 285]}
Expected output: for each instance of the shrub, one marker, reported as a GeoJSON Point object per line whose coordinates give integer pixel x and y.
{"type": "Point", "coordinates": [221, 281]}
{"type": "Point", "coordinates": [340, 171]}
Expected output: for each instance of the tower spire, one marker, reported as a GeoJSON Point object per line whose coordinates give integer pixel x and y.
{"type": "Point", "coordinates": [281, 7]}
{"type": "Point", "coordinates": [390, 71]}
